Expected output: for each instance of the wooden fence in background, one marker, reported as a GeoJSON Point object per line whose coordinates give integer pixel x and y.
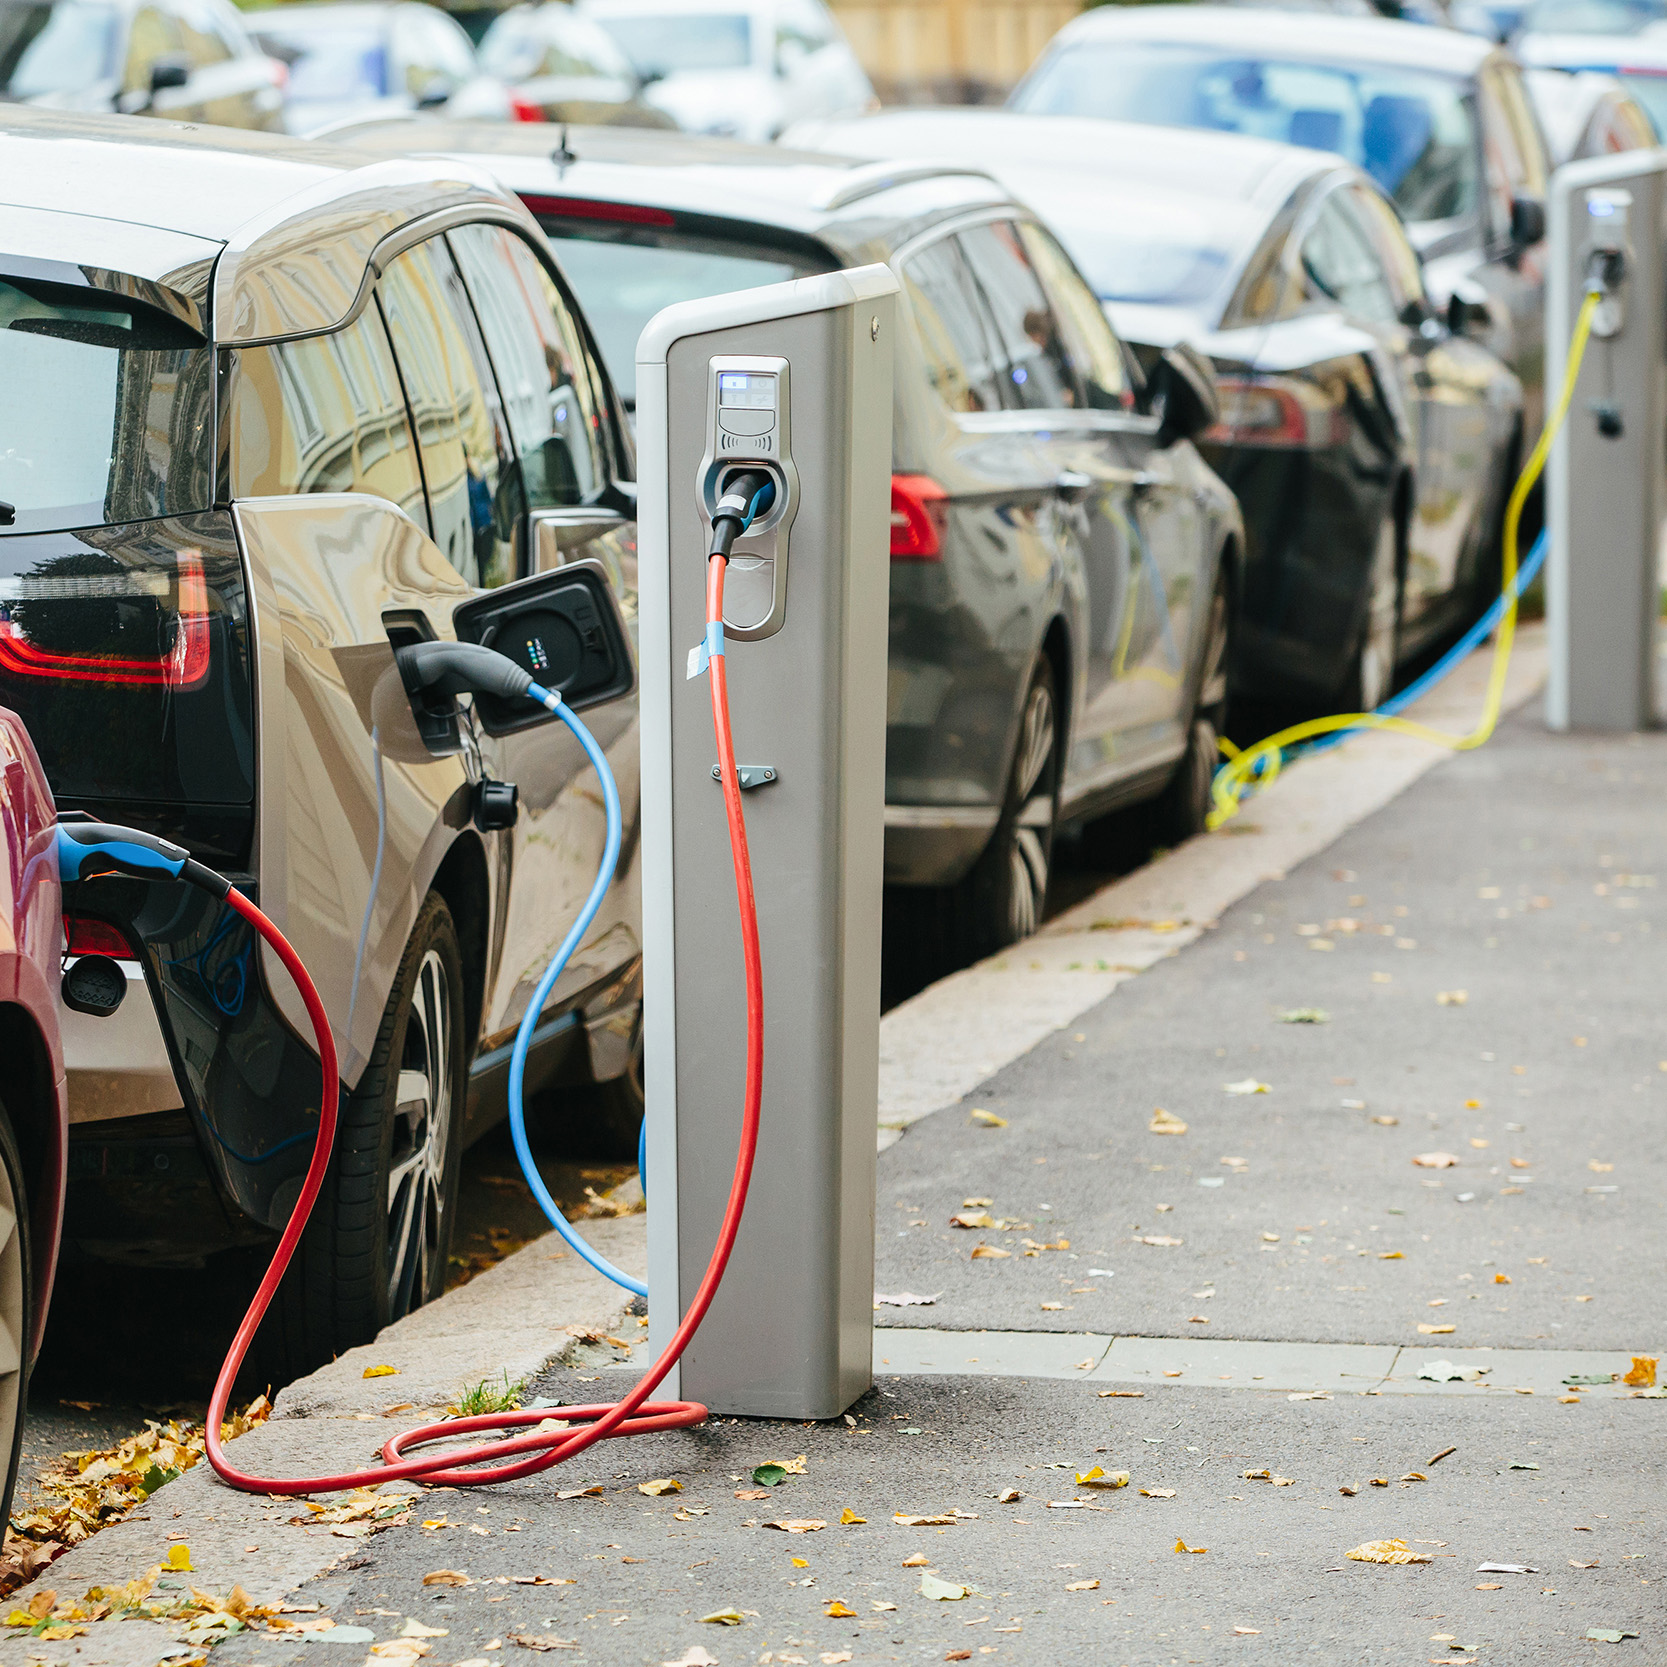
{"type": "Point", "coordinates": [949, 51]}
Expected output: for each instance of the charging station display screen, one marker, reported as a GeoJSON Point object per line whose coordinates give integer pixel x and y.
{"type": "Point", "coordinates": [744, 389]}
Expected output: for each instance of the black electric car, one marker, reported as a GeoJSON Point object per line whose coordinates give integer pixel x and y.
{"type": "Point", "coordinates": [1063, 562]}
{"type": "Point", "coordinates": [273, 410]}
{"type": "Point", "coordinates": [1369, 439]}
{"type": "Point", "coordinates": [1440, 120]}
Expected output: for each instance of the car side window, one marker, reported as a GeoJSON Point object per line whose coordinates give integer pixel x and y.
{"type": "Point", "coordinates": [474, 496]}
{"type": "Point", "coordinates": [1383, 227]}
{"type": "Point", "coordinates": [202, 36]}
{"type": "Point", "coordinates": [962, 362]}
{"type": "Point", "coordinates": [544, 373]}
{"type": "Point", "coordinates": [153, 34]}
{"type": "Point", "coordinates": [1339, 264]}
{"type": "Point", "coordinates": [434, 51]}
{"type": "Point", "coordinates": [324, 414]}
{"type": "Point", "coordinates": [1089, 339]}
{"type": "Point", "coordinates": [1039, 372]}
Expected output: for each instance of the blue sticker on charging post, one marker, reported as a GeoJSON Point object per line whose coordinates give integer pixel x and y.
{"type": "Point", "coordinates": [700, 656]}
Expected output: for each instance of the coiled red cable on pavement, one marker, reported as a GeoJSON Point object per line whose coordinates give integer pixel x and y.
{"type": "Point", "coordinates": [508, 1458]}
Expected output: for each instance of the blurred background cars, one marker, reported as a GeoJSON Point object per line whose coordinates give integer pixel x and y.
{"type": "Point", "coordinates": [1440, 120]}
{"type": "Point", "coordinates": [1369, 441]}
{"type": "Point", "coordinates": [187, 60]}
{"type": "Point", "coordinates": [1063, 561]}
{"type": "Point", "coordinates": [359, 60]}
{"type": "Point", "coordinates": [1638, 62]}
{"type": "Point", "coordinates": [561, 66]}
{"type": "Point", "coordinates": [738, 68]}
{"type": "Point", "coordinates": [1585, 113]}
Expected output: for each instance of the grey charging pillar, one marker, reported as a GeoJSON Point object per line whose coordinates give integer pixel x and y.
{"type": "Point", "coordinates": [1605, 495]}
{"type": "Point", "coordinates": [795, 378]}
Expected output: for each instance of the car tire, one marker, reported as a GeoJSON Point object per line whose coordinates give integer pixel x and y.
{"type": "Point", "coordinates": [16, 1308]}
{"type": "Point", "coordinates": [1370, 677]}
{"type": "Point", "coordinates": [1002, 899]}
{"type": "Point", "coordinates": [379, 1239]}
{"type": "Point", "coordinates": [1181, 810]}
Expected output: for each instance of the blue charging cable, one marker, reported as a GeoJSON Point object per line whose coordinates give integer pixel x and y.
{"type": "Point", "coordinates": [535, 1007]}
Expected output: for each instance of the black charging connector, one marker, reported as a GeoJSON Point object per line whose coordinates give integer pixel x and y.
{"type": "Point", "coordinates": [747, 494]}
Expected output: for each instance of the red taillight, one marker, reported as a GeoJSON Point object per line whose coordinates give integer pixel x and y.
{"type": "Point", "coordinates": [524, 109]}
{"type": "Point", "coordinates": [183, 667]}
{"type": "Point", "coordinates": [1276, 412]}
{"type": "Point", "coordinates": [94, 937]}
{"type": "Point", "coordinates": [918, 506]}
{"type": "Point", "coordinates": [583, 208]}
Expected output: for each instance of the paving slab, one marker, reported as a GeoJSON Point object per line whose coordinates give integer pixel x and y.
{"type": "Point", "coordinates": [1486, 953]}
{"type": "Point", "coordinates": [1060, 1573]}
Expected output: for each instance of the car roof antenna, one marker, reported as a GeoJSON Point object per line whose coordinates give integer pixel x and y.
{"type": "Point", "coordinates": [564, 153]}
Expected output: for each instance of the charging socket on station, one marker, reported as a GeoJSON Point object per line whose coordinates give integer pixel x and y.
{"type": "Point", "coordinates": [1609, 250]}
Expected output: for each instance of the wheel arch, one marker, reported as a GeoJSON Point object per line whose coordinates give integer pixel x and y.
{"type": "Point", "coordinates": [462, 881]}
{"type": "Point", "coordinates": [1056, 650]}
{"type": "Point", "coordinates": [35, 1109]}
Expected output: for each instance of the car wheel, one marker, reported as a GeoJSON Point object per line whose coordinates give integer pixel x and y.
{"type": "Point", "coordinates": [1183, 806]}
{"type": "Point", "coordinates": [16, 1303]}
{"type": "Point", "coordinates": [1002, 899]}
{"type": "Point", "coordinates": [380, 1235]}
{"type": "Point", "coordinates": [1371, 674]}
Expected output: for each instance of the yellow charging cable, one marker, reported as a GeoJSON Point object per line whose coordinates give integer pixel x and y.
{"type": "Point", "coordinates": [1262, 761]}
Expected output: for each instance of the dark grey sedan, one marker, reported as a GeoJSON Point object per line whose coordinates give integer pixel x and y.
{"type": "Point", "coordinates": [1369, 440]}
{"type": "Point", "coordinates": [1062, 557]}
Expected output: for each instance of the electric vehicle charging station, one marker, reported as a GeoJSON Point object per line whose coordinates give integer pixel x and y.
{"type": "Point", "coordinates": [794, 380]}
{"type": "Point", "coordinates": [1606, 491]}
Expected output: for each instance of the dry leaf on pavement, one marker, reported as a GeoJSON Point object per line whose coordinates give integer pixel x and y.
{"type": "Point", "coordinates": [848, 1518]}
{"type": "Point", "coordinates": [542, 1641]}
{"type": "Point", "coordinates": [837, 1611]}
{"type": "Point", "coordinates": [1160, 1239]}
{"type": "Point", "coordinates": [941, 1591]}
{"type": "Point", "coordinates": [1197, 1550]}
{"type": "Point", "coordinates": [1642, 1375]}
{"type": "Point", "coordinates": [1386, 1551]}
{"type": "Point", "coordinates": [980, 1251]}
{"type": "Point", "coordinates": [988, 1119]}
{"type": "Point", "coordinates": [660, 1485]}
{"type": "Point", "coordinates": [445, 1577]}
{"type": "Point", "coordinates": [725, 1617]}
{"type": "Point", "coordinates": [798, 1525]}
{"type": "Point", "coordinates": [1435, 1160]}
{"type": "Point", "coordinates": [1165, 1122]}
{"type": "Point", "coordinates": [1157, 1493]}
{"type": "Point", "coordinates": [1098, 1478]}
{"type": "Point", "coordinates": [1083, 1586]}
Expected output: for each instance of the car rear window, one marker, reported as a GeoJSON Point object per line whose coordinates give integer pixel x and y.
{"type": "Point", "coordinates": [624, 275]}
{"type": "Point", "coordinates": [107, 411]}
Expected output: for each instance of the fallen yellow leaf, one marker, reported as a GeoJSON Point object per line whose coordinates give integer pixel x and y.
{"type": "Point", "coordinates": [1642, 1375]}
{"type": "Point", "coordinates": [989, 1119]}
{"type": "Point", "coordinates": [178, 1560]}
{"type": "Point", "coordinates": [381, 1372]}
{"type": "Point", "coordinates": [1083, 1586]}
{"type": "Point", "coordinates": [1197, 1550]}
{"type": "Point", "coordinates": [1436, 1330]}
{"type": "Point", "coordinates": [1166, 1122]}
{"type": "Point", "coordinates": [1386, 1551]}
{"type": "Point", "coordinates": [836, 1611]}
{"type": "Point", "coordinates": [659, 1486]}
{"type": "Point", "coordinates": [981, 1252]}
{"type": "Point", "coordinates": [445, 1577]}
{"type": "Point", "coordinates": [847, 1517]}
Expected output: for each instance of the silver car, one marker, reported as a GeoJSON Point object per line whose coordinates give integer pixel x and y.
{"type": "Point", "coordinates": [273, 411]}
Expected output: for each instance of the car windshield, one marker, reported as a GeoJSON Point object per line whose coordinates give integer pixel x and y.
{"type": "Point", "coordinates": [329, 65]}
{"type": "Point", "coordinates": [623, 281]}
{"type": "Point", "coordinates": [679, 41]}
{"type": "Point", "coordinates": [109, 407]}
{"type": "Point", "coordinates": [1592, 17]}
{"type": "Point", "coordinates": [1410, 130]}
{"type": "Point", "coordinates": [54, 48]}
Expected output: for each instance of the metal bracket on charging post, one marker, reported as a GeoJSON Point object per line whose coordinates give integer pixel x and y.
{"type": "Point", "coordinates": [752, 775]}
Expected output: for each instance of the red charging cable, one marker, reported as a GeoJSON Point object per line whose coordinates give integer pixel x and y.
{"type": "Point", "coordinates": [635, 1414]}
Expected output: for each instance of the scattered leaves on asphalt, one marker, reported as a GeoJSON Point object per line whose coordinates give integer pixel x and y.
{"type": "Point", "coordinates": [1607, 1635]}
{"type": "Point", "coordinates": [1386, 1551]}
{"type": "Point", "coordinates": [1165, 1122]}
{"type": "Point", "coordinates": [988, 1120]}
{"type": "Point", "coordinates": [798, 1525]}
{"type": "Point", "coordinates": [536, 1641]}
{"type": "Point", "coordinates": [1196, 1550]}
{"type": "Point", "coordinates": [1437, 1330]}
{"type": "Point", "coordinates": [659, 1486]}
{"type": "Point", "coordinates": [837, 1611]}
{"type": "Point", "coordinates": [1435, 1160]}
{"type": "Point", "coordinates": [725, 1617]}
{"type": "Point", "coordinates": [1098, 1478]}
{"type": "Point", "coordinates": [849, 1518]}
{"type": "Point", "coordinates": [1642, 1375]}
{"type": "Point", "coordinates": [445, 1577]}
{"type": "Point", "coordinates": [1160, 1239]}
{"type": "Point", "coordinates": [1248, 1086]}
{"type": "Point", "coordinates": [1305, 1016]}
{"type": "Point", "coordinates": [918, 1561]}
{"type": "Point", "coordinates": [1159, 1493]}
{"type": "Point", "coordinates": [381, 1372]}
{"type": "Point", "coordinates": [1083, 1586]}
{"type": "Point", "coordinates": [905, 1299]}
{"type": "Point", "coordinates": [981, 1252]}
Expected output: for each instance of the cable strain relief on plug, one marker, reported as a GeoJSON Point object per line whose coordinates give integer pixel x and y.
{"type": "Point", "coordinates": [199, 874]}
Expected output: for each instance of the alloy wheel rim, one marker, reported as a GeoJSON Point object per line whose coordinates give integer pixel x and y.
{"type": "Point", "coordinates": [1028, 857]}
{"type": "Point", "coordinates": [416, 1197]}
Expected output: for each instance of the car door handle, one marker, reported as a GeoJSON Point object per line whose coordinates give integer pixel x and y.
{"type": "Point", "coordinates": [1072, 486]}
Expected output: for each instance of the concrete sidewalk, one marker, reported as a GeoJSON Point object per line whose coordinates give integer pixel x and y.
{"type": "Point", "coordinates": [1271, 1289]}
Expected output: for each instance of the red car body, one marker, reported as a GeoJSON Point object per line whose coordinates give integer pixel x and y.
{"type": "Point", "coordinates": [32, 1085]}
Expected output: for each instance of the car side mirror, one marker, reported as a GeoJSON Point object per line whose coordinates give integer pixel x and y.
{"type": "Point", "coordinates": [437, 90]}
{"type": "Point", "coordinates": [168, 73]}
{"type": "Point", "coordinates": [1527, 222]}
{"type": "Point", "coordinates": [1470, 311]}
{"type": "Point", "coordinates": [564, 628]}
{"type": "Point", "coordinates": [1181, 392]}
